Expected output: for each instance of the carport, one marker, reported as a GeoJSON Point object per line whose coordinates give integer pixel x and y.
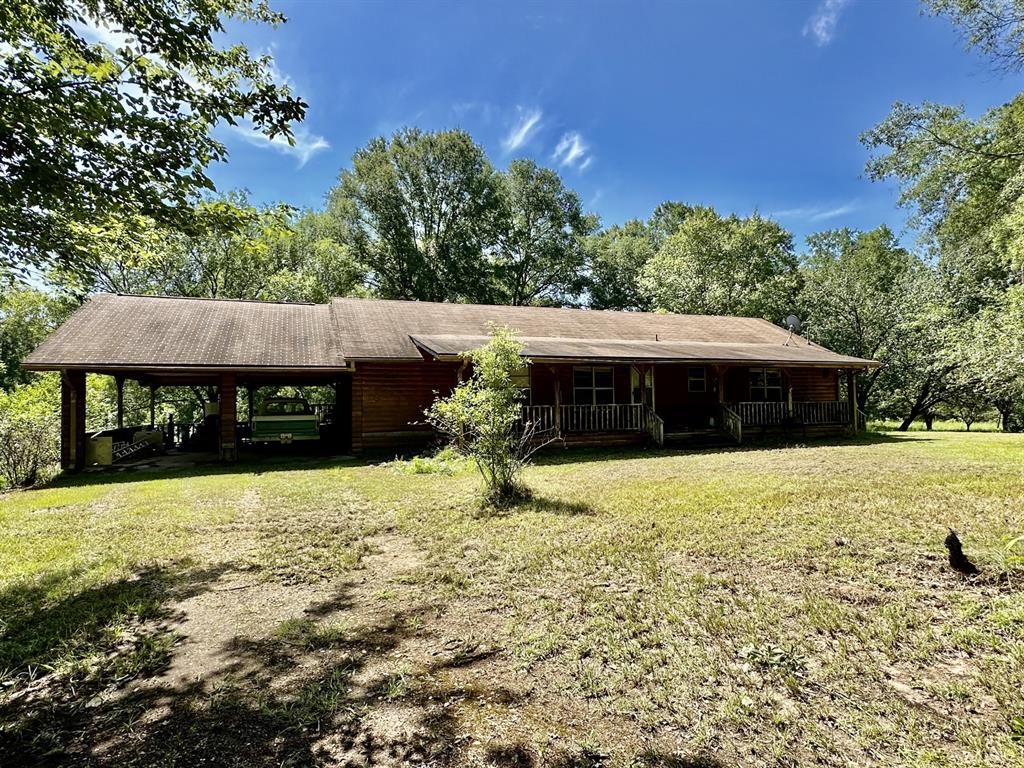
{"type": "Point", "coordinates": [171, 341]}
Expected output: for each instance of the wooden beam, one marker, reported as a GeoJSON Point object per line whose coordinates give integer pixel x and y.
{"type": "Point", "coordinates": [72, 420]}
{"type": "Point", "coordinates": [227, 397]}
{"type": "Point", "coordinates": [720, 383]}
{"type": "Point", "coordinates": [119, 382]}
{"type": "Point", "coordinates": [851, 389]}
{"type": "Point", "coordinates": [343, 414]}
{"type": "Point", "coordinates": [250, 390]}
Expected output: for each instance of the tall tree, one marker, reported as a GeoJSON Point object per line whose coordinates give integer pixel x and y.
{"type": "Point", "coordinates": [666, 220]}
{"type": "Point", "coordinates": [994, 27]}
{"type": "Point", "coordinates": [96, 133]}
{"type": "Point", "coordinates": [962, 178]}
{"type": "Point", "coordinates": [991, 348]}
{"type": "Point", "coordinates": [420, 209]}
{"type": "Point", "coordinates": [856, 289]}
{"type": "Point", "coordinates": [616, 258]}
{"type": "Point", "coordinates": [268, 253]}
{"type": "Point", "coordinates": [724, 266]}
{"type": "Point", "coordinates": [539, 251]}
{"type": "Point", "coordinates": [27, 316]}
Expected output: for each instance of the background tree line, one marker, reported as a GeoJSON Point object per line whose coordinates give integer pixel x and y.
{"type": "Point", "coordinates": [427, 216]}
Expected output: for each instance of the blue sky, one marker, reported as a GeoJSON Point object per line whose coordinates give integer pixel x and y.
{"type": "Point", "coordinates": [738, 105]}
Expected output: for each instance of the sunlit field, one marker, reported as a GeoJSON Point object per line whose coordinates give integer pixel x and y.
{"type": "Point", "coordinates": [763, 606]}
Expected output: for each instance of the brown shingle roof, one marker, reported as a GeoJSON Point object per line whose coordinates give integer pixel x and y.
{"type": "Point", "coordinates": [376, 329]}
{"type": "Point", "coordinates": [153, 331]}
{"type": "Point", "coordinates": [117, 331]}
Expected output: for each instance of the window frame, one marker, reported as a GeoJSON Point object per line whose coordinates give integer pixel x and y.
{"type": "Point", "coordinates": [525, 373]}
{"type": "Point", "coordinates": [593, 389]}
{"type": "Point", "coordinates": [763, 388]}
{"type": "Point", "coordinates": [702, 379]}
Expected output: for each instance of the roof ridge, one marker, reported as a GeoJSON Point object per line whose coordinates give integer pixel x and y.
{"type": "Point", "coordinates": [211, 298]}
{"type": "Point", "coordinates": [532, 308]}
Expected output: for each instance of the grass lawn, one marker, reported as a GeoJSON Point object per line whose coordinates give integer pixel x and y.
{"type": "Point", "coordinates": [772, 606]}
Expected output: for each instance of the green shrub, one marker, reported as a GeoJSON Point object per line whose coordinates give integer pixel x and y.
{"type": "Point", "coordinates": [482, 415]}
{"type": "Point", "coordinates": [29, 431]}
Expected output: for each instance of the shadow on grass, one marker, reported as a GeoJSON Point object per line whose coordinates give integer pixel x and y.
{"type": "Point", "coordinates": [178, 465]}
{"type": "Point", "coordinates": [315, 693]}
{"type": "Point", "coordinates": [756, 442]}
{"type": "Point", "coordinates": [553, 507]}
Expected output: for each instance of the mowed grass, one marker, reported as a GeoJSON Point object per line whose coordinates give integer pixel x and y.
{"type": "Point", "coordinates": [763, 606]}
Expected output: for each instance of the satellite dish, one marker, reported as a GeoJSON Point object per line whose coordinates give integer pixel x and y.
{"type": "Point", "coordinates": [793, 324]}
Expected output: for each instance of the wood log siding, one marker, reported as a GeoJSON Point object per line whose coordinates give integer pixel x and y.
{"type": "Point", "coordinates": [388, 400]}
{"type": "Point", "coordinates": [814, 384]}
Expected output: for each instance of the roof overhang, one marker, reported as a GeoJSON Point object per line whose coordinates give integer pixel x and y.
{"type": "Point", "coordinates": [561, 349]}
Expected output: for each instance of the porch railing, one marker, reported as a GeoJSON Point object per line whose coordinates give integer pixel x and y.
{"type": "Point", "coordinates": [541, 416]}
{"type": "Point", "coordinates": [655, 425]}
{"type": "Point", "coordinates": [825, 412]}
{"type": "Point", "coordinates": [804, 412]}
{"type": "Point", "coordinates": [731, 423]}
{"type": "Point", "coordinates": [762, 414]}
{"type": "Point", "coordinates": [620, 417]}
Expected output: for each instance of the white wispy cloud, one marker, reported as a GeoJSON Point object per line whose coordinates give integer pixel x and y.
{"type": "Point", "coordinates": [100, 33]}
{"type": "Point", "coordinates": [573, 151]}
{"type": "Point", "coordinates": [306, 144]}
{"type": "Point", "coordinates": [821, 26]}
{"type": "Point", "coordinates": [816, 212]}
{"type": "Point", "coordinates": [524, 129]}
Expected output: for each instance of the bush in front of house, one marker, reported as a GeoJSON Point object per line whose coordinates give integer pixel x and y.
{"type": "Point", "coordinates": [482, 416]}
{"type": "Point", "coordinates": [29, 431]}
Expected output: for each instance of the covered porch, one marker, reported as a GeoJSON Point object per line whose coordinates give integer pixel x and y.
{"type": "Point", "coordinates": [674, 401]}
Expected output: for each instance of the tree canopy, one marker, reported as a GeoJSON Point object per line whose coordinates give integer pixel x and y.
{"type": "Point", "coordinates": [724, 265]}
{"type": "Point", "coordinates": [108, 109]}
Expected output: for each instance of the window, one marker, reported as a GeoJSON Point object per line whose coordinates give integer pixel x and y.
{"type": "Point", "coordinates": [593, 385]}
{"type": "Point", "coordinates": [646, 394]}
{"type": "Point", "coordinates": [766, 385]}
{"type": "Point", "coordinates": [697, 380]}
{"type": "Point", "coordinates": [521, 379]}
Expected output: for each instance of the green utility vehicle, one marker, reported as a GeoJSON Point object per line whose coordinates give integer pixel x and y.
{"type": "Point", "coordinates": [284, 420]}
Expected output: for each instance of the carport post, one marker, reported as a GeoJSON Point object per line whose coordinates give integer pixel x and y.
{"type": "Point", "coordinates": [72, 419]}
{"type": "Point", "coordinates": [228, 414]}
{"type": "Point", "coordinates": [119, 381]}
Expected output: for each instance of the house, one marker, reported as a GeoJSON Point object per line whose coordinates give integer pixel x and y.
{"type": "Point", "coordinates": [593, 375]}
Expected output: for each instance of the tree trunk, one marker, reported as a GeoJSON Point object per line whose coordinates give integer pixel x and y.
{"type": "Point", "coordinates": [907, 422]}
{"type": "Point", "coordinates": [1004, 420]}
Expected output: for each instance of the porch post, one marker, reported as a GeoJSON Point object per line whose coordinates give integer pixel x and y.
{"type": "Point", "coordinates": [249, 392]}
{"type": "Point", "coordinates": [72, 419]}
{"type": "Point", "coordinates": [228, 414]}
{"type": "Point", "coordinates": [558, 400]}
{"type": "Point", "coordinates": [119, 382]}
{"type": "Point", "coordinates": [851, 390]}
{"type": "Point", "coordinates": [720, 381]}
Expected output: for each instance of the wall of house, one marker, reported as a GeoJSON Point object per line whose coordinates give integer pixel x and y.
{"type": "Point", "coordinates": [814, 384]}
{"type": "Point", "coordinates": [673, 401]}
{"type": "Point", "coordinates": [388, 400]}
